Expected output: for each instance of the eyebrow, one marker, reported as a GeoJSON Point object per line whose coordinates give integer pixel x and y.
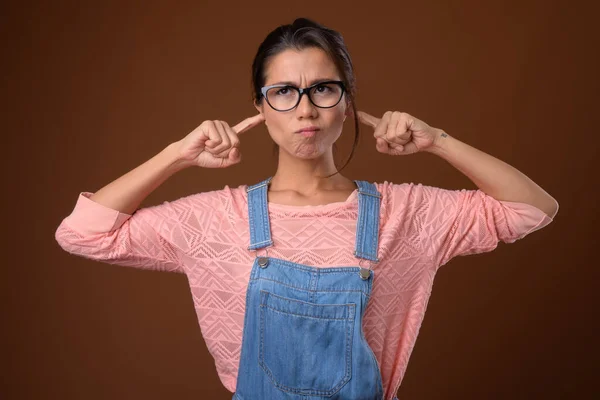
{"type": "Point", "coordinates": [309, 84]}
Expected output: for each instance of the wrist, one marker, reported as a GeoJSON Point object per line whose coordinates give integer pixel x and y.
{"type": "Point", "coordinates": [440, 142]}
{"type": "Point", "coordinates": [173, 156]}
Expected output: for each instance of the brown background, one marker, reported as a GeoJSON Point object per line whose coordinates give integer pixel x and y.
{"type": "Point", "coordinates": [90, 91]}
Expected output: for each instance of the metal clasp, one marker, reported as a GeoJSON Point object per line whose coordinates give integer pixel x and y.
{"type": "Point", "coordinates": [263, 261]}
{"type": "Point", "coordinates": [364, 273]}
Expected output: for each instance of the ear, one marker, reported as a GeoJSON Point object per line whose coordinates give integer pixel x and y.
{"type": "Point", "coordinates": [260, 109]}
{"type": "Point", "coordinates": [348, 112]}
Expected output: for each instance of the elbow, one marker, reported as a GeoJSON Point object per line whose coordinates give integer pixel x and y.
{"type": "Point", "coordinates": [58, 236]}
{"type": "Point", "coordinates": [62, 238]}
{"type": "Point", "coordinates": [555, 211]}
{"type": "Point", "coordinates": [74, 242]}
{"type": "Point", "coordinates": [550, 207]}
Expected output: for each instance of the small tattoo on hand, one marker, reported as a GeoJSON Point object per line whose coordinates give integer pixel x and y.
{"type": "Point", "coordinates": [444, 134]}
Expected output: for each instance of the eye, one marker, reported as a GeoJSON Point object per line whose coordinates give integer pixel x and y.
{"type": "Point", "coordinates": [282, 91]}
{"type": "Point", "coordinates": [326, 88]}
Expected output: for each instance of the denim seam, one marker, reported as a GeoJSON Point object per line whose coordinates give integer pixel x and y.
{"type": "Point", "coordinates": [258, 244]}
{"type": "Point", "coordinates": [309, 268]}
{"type": "Point", "coordinates": [365, 292]}
{"type": "Point", "coordinates": [359, 223]}
{"type": "Point", "coordinates": [302, 315]}
{"type": "Point", "coordinates": [370, 350]}
{"type": "Point", "coordinates": [251, 221]}
{"type": "Point", "coordinates": [244, 337]}
{"type": "Point", "coordinates": [283, 298]}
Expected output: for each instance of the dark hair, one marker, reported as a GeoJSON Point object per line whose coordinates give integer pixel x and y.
{"type": "Point", "coordinates": [301, 34]}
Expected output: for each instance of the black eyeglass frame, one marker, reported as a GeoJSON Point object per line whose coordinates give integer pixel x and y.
{"type": "Point", "coordinates": [302, 91]}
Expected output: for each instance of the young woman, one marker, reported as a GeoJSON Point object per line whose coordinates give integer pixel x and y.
{"type": "Point", "coordinates": [308, 284]}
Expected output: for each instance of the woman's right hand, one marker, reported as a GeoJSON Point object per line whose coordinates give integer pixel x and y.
{"type": "Point", "coordinates": [214, 144]}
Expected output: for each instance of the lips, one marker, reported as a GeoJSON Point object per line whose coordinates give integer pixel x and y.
{"type": "Point", "coordinates": [308, 129]}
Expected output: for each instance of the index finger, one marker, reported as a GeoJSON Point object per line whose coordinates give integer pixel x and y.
{"type": "Point", "coordinates": [367, 119]}
{"type": "Point", "coordinates": [248, 123]}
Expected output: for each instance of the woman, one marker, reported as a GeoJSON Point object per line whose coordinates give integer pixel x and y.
{"type": "Point", "coordinates": [282, 271]}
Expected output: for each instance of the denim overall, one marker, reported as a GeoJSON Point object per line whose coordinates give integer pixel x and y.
{"type": "Point", "coordinates": [303, 335]}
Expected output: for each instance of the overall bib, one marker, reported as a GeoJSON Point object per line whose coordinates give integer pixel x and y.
{"type": "Point", "coordinates": [303, 335]}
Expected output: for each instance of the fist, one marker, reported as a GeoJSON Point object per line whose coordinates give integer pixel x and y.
{"type": "Point", "coordinates": [214, 144]}
{"type": "Point", "coordinates": [399, 133]}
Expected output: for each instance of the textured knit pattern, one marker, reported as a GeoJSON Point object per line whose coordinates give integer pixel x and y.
{"type": "Point", "coordinates": [206, 237]}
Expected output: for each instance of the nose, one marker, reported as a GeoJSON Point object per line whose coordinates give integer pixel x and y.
{"type": "Point", "coordinates": [305, 108]}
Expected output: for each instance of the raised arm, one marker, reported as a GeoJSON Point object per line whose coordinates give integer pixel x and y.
{"type": "Point", "coordinates": [126, 193]}
{"type": "Point", "coordinates": [108, 226]}
{"type": "Point", "coordinates": [213, 144]}
{"type": "Point", "coordinates": [493, 176]}
{"type": "Point", "coordinates": [399, 133]}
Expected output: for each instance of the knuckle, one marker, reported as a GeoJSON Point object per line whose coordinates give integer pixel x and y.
{"type": "Point", "coordinates": [205, 126]}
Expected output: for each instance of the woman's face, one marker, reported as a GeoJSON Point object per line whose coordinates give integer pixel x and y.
{"type": "Point", "coordinates": [303, 68]}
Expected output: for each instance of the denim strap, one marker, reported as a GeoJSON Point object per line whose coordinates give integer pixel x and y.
{"type": "Point", "coordinates": [367, 225]}
{"type": "Point", "coordinates": [258, 216]}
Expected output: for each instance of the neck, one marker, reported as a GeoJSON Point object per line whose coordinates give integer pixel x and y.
{"type": "Point", "coordinates": [307, 176]}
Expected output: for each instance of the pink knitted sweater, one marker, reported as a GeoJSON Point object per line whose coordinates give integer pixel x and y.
{"type": "Point", "coordinates": [206, 237]}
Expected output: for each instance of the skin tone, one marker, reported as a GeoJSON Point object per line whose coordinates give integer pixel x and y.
{"type": "Point", "coordinates": [304, 160]}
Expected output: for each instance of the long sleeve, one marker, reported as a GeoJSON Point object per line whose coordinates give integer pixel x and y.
{"type": "Point", "coordinates": [147, 239]}
{"type": "Point", "coordinates": [463, 222]}
{"type": "Point", "coordinates": [453, 223]}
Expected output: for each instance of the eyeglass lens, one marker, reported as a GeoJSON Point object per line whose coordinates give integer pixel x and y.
{"type": "Point", "coordinates": [286, 97]}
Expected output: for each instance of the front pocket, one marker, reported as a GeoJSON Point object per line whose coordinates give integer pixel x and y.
{"type": "Point", "coordinates": [305, 348]}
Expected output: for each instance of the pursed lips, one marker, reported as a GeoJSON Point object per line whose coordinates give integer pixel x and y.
{"type": "Point", "coordinates": [308, 130]}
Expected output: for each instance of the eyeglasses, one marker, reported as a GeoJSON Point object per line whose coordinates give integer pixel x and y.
{"type": "Point", "coordinates": [325, 94]}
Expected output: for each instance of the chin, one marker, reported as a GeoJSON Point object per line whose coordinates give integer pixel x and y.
{"type": "Point", "coordinates": [309, 151]}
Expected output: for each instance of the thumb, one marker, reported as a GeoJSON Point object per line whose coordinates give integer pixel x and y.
{"type": "Point", "coordinates": [234, 156]}
{"type": "Point", "coordinates": [382, 146]}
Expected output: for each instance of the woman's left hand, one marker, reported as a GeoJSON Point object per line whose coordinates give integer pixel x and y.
{"type": "Point", "coordinates": [399, 133]}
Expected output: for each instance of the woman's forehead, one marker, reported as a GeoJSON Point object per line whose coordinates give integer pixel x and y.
{"type": "Point", "coordinates": [300, 66]}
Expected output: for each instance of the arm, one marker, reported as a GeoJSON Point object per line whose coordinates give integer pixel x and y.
{"type": "Point", "coordinates": [127, 192]}
{"type": "Point", "coordinates": [491, 175]}
{"type": "Point", "coordinates": [107, 226]}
